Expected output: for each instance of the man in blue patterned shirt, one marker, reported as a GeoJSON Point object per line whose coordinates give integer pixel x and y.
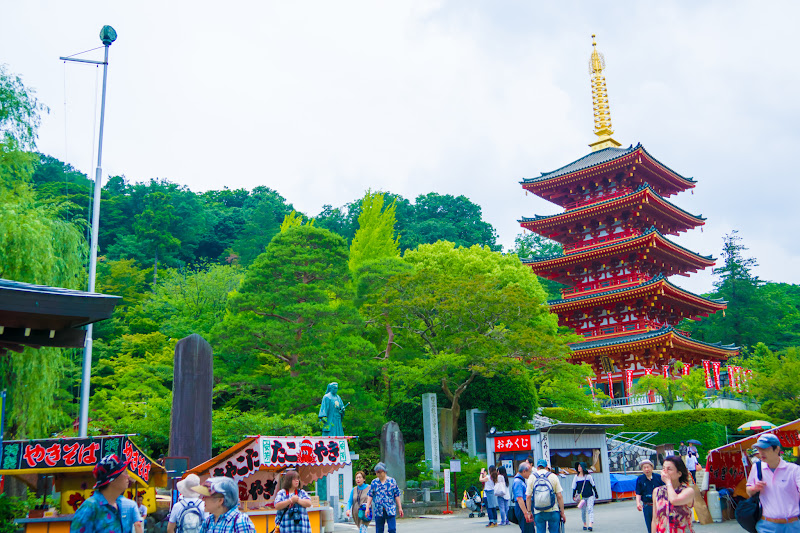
{"type": "Point", "coordinates": [384, 500]}
{"type": "Point", "coordinates": [107, 510]}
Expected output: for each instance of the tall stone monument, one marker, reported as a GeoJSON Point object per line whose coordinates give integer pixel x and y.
{"type": "Point", "coordinates": [192, 383]}
{"type": "Point", "coordinates": [393, 453]}
{"type": "Point", "coordinates": [476, 433]}
{"type": "Point", "coordinates": [430, 428]}
{"type": "Point", "coordinates": [446, 431]}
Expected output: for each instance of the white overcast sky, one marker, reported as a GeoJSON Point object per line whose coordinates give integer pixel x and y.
{"type": "Point", "coordinates": [323, 100]}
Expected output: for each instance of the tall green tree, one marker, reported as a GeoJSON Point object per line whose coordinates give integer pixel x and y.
{"type": "Point", "coordinates": [776, 380]}
{"type": "Point", "coordinates": [375, 236]}
{"type": "Point", "coordinates": [20, 112]}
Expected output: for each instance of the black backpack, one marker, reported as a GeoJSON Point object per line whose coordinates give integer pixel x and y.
{"type": "Point", "coordinates": [748, 512]}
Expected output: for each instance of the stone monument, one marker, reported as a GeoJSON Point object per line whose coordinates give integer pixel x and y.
{"type": "Point", "coordinates": [446, 431]}
{"type": "Point", "coordinates": [430, 428]}
{"type": "Point", "coordinates": [190, 425]}
{"type": "Point", "coordinates": [393, 453]}
{"type": "Point", "coordinates": [476, 433]}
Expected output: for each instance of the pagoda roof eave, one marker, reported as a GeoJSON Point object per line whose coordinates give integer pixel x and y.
{"type": "Point", "coordinates": [645, 191]}
{"type": "Point", "coordinates": [657, 283]}
{"type": "Point", "coordinates": [619, 246]}
{"type": "Point", "coordinates": [667, 334]}
{"type": "Point", "coordinates": [600, 157]}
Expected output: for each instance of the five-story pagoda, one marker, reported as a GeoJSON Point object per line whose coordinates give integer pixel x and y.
{"type": "Point", "coordinates": [617, 257]}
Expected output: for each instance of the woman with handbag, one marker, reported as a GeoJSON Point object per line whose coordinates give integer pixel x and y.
{"type": "Point", "coordinates": [503, 493]}
{"type": "Point", "coordinates": [584, 493]}
{"type": "Point", "coordinates": [673, 502]}
{"type": "Point", "coordinates": [357, 505]}
{"type": "Point", "coordinates": [489, 479]}
{"type": "Point", "coordinates": [293, 501]}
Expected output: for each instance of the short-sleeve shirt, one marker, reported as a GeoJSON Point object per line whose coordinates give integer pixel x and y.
{"type": "Point", "coordinates": [554, 482]}
{"type": "Point", "coordinates": [383, 496]}
{"type": "Point", "coordinates": [233, 521]}
{"type": "Point", "coordinates": [779, 499]}
{"type": "Point", "coordinates": [645, 487]}
{"type": "Point", "coordinates": [296, 519]}
{"type": "Point", "coordinates": [691, 463]}
{"type": "Point", "coordinates": [518, 486]}
{"type": "Point", "coordinates": [96, 515]}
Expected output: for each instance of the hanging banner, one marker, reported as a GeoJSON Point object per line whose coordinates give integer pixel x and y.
{"type": "Point", "coordinates": [686, 369]}
{"type": "Point", "coordinates": [748, 375]}
{"type": "Point", "coordinates": [715, 365]}
{"type": "Point", "coordinates": [591, 386]}
{"type": "Point", "coordinates": [707, 369]}
{"type": "Point", "coordinates": [610, 385]}
{"type": "Point", "coordinates": [628, 381]}
{"type": "Point", "coordinates": [665, 371]}
{"type": "Point", "coordinates": [649, 371]}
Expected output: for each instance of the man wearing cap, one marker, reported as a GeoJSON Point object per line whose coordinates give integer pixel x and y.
{"type": "Point", "coordinates": [518, 488]}
{"type": "Point", "coordinates": [645, 485]}
{"type": "Point", "coordinates": [384, 500]}
{"type": "Point", "coordinates": [546, 518]}
{"type": "Point", "coordinates": [221, 498]}
{"type": "Point", "coordinates": [779, 488]}
{"type": "Point", "coordinates": [183, 510]}
{"type": "Point", "coordinates": [107, 510]}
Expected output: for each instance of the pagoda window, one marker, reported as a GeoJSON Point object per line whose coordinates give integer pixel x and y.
{"type": "Point", "coordinates": [630, 327]}
{"type": "Point", "coordinates": [607, 331]}
{"type": "Point", "coordinates": [605, 284]}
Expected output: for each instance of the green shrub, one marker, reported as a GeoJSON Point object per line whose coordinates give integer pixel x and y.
{"type": "Point", "coordinates": [11, 508]}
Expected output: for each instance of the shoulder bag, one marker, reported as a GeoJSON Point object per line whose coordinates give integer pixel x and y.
{"type": "Point", "coordinates": [748, 512]}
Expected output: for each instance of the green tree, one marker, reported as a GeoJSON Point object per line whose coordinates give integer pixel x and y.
{"type": "Point", "coordinates": [528, 245]}
{"type": "Point", "coordinates": [776, 380]}
{"type": "Point", "coordinates": [263, 213]}
{"type": "Point", "coordinates": [374, 238]}
{"type": "Point", "coordinates": [20, 112]}
{"type": "Point", "coordinates": [443, 217]}
{"type": "Point", "coordinates": [669, 388]}
{"type": "Point", "coordinates": [692, 388]}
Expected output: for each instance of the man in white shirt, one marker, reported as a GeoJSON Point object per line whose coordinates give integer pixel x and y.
{"type": "Point", "coordinates": [189, 508]}
{"type": "Point", "coordinates": [544, 489]}
{"type": "Point", "coordinates": [691, 465]}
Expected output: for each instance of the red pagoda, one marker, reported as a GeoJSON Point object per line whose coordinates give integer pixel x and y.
{"type": "Point", "coordinates": [617, 258]}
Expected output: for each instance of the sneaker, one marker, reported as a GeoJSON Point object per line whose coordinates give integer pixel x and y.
{"type": "Point", "coordinates": [590, 528]}
{"type": "Point", "coordinates": [584, 528]}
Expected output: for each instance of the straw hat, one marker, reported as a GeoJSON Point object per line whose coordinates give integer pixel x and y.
{"type": "Point", "coordinates": [186, 485]}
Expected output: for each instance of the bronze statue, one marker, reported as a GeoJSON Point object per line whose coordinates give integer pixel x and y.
{"type": "Point", "coordinates": [331, 412]}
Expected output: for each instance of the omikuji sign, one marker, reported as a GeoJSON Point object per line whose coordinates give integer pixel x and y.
{"type": "Point", "coordinates": [516, 443]}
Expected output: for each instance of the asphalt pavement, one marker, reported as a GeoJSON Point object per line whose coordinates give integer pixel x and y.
{"type": "Point", "coordinates": [615, 517]}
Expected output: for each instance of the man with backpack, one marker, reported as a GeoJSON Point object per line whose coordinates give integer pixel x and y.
{"type": "Point", "coordinates": [544, 496]}
{"type": "Point", "coordinates": [188, 513]}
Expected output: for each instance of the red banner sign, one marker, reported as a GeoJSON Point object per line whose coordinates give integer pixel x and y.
{"type": "Point", "coordinates": [715, 365]}
{"type": "Point", "coordinates": [707, 369]}
{"type": "Point", "coordinates": [610, 385]}
{"type": "Point", "coordinates": [686, 369]}
{"type": "Point", "coordinates": [515, 443]}
{"type": "Point", "coordinates": [628, 380]}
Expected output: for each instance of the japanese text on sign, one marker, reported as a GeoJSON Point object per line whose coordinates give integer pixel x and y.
{"type": "Point", "coordinates": [516, 443]}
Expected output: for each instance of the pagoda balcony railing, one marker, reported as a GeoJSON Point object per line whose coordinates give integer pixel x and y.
{"type": "Point", "coordinates": [604, 285]}
{"type": "Point", "coordinates": [597, 198]}
{"type": "Point", "coordinates": [600, 241]}
{"type": "Point", "coordinates": [650, 399]}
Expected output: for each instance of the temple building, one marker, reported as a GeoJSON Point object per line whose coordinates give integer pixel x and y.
{"type": "Point", "coordinates": [618, 257]}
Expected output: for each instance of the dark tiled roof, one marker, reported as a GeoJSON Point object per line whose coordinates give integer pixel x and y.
{"type": "Point", "coordinates": [651, 281]}
{"type": "Point", "coordinates": [576, 346]}
{"type": "Point", "coordinates": [652, 229]}
{"type": "Point", "coordinates": [44, 289]}
{"type": "Point", "coordinates": [597, 158]}
{"type": "Point", "coordinates": [641, 187]}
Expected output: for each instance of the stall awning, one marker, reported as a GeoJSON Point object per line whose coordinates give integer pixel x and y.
{"type": "Point", "coordinates": [312, 457]}
{"type": "Point", "coordinates": [27, 459]}
{"type": "Point", "coordinates": [726, 464]}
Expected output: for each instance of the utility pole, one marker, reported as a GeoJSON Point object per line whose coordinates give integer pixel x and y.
{"type": "Point", "coordinates": [107, 36]}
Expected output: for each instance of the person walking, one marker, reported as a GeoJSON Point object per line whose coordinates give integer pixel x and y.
{"type": "Point", "coordinates": [645, 485]}
{"type": "Point", "coordinates": [584, 490]}
{"type": "Point", "coordinates": [107, 510]}
{"type": "Point", "coordinates": [188, 513]}
{"type": "Point", "coordinates": [221, 501]}
{"type": "Point", "coordinates": [673, 502]}
{"type": "Point", "coordinates": [545, 496]}
{"type": "Point", "coordinates": [779, 487]}
{"type": "Point", "coordinates": [489, 479]}
{"type": "Point", "coordinates": [294, 501]}
{"type": "Point", "coordinates": [521, 509]}
{"type": "Point", "coordinates": [682, 449]}
{"type": "Point", "coordinates": [384, 500]}
{"type": "Point", "coordinates": [357, 504]}
{"type": "Point", "coordinates": [502, 490]}
{"type": "Point", "coordinates": [691, 466]}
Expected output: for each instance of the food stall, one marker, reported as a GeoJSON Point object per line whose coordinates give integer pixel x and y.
{"type": "Point", "coordinates": [561, 445]}
{"type": "Point", "coordinates": [69, 462]}
{"type": "Point", "coordinates": [257, 463]}
{"type": "Point", "coordinates": [728, 466]}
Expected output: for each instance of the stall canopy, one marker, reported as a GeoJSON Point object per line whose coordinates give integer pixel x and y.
{"type": "Point", "coordinates": [27, 459]}
{"type": "Point", "coordinates": [729, 465]}
{"type": "Point", "coordinates": [256, 462]}
{"type": "Point", "coordinates": [37, 316]}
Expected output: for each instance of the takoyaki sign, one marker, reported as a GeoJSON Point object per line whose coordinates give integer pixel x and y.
{"type": "Point", "coordinates": [276, 453]}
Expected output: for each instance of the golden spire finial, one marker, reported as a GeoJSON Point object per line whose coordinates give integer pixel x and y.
{"type": "Point", "coordinates": [602, 112]}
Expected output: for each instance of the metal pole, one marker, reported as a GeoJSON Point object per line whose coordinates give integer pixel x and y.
{"type": "Point", "coordinates": [83, 422]}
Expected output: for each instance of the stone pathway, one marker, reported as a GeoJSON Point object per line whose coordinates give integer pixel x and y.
{"type": "Point", "coordinates": [616, 517]}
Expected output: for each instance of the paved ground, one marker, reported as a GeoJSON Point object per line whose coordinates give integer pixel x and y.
{"type": "Point", "coordinates": [616, 517]}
